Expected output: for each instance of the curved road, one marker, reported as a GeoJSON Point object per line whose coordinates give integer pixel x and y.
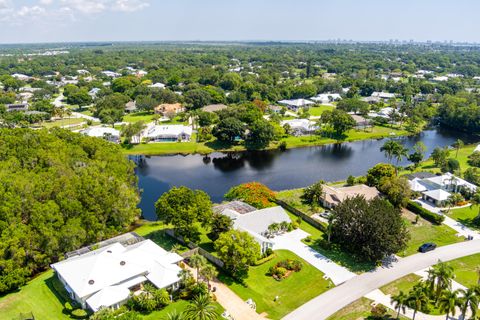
{"type": "Point", "coordinates": [335, 299]}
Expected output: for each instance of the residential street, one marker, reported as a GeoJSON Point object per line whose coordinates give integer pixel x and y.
{"type": "Point", "coordinates": [333, 300]}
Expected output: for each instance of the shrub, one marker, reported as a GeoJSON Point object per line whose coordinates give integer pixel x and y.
{"type": "Point", "coordinates": [68, 307]}
{"type": "Point", "coordinates": [281, 269]}
{"type": "Point", "coordinates": [268, 252]}
{"type": "Point", "coordinates": [282, 146]}
{"type": "Point", "coordinates": [79, 314]}
{"type": "Point", "coordinates": [253, 193]}
{"type": "Point", "coordinates": [265, 259]}
{"type": "Point", "coordinates": [424, 213]}
{"type": "Point", "coordinates": [474, 159]}
{"type": "Point", "coordinates": [378, 312]}
{"type": "Point", "coordinates": [350, 180]}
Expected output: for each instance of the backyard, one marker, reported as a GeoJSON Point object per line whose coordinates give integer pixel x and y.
{"type": "Point", "coordinates": [465, 216]}
{"type": "Point", "coordinates": [292, 292]}
{"type": "Point", "coordinates": [467, 270]}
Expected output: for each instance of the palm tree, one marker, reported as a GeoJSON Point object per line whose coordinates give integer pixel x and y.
{"type": "Point", "coordinates": [448, 302]}
{"type": "Point", "coordinates": [457, 145]}
{"type": "Point", "coordinates": [197, 261]}
{"type": "Point", "coordinates": [175, 316]}
{"type": "Point", "coordinates": [389, 148]}
{"type": "Point", "coordinates": [453, 200]}
{"type": "Point", "coordinates": [208, 273]}
{"type": "Point", "coordinates": [475, 201]}
{"type": "Point", "coordinates": [400, 153]}
{"type": "Point", "coordinates": [399, 302]}
{"type": "Point", "coordinates": [418, 298]}
{"type": "Point", "coordinates": [201, 308]}
{"type": "Point", "coordinates": [468, 299]}
{"type": "Point", "coordinates": [444, 276]}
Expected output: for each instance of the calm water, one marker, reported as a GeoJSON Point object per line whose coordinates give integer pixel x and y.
{"type": "Point", "coordinates": [279, 170]}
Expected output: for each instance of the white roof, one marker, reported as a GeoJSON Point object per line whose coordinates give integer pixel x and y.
{"type": "Point", "coordinates": [383, 95]}
{"type": "Point", "coordinates": [304, 124]}
{"type": "Point", "coordinates": [157, 85]}
{"type": "Point", "coordinates": [448, 179]}
{"type": "Point", "coordinates": [477, 149]}
{"type": "Point", "coordinates": [167, 130]}
{"type": "Point", "coordinates": [416, 185]}
{"type": "Point", "coordinates": [440, 78]}
{"type": "Point", "coordinates": [111, 74]}
{"type": "Point", "coordinates": [117, 265]}
{"type": "Point", "coordinates": [296, 102]}
{"type": "Point", "coordinates": [438, 194]}
{"type": "Point", "coordinates": [100, 132]}
{"type": "Point", "coordinates": [108, 297]}
{"type": "Point", "coordinates": [327, 97]}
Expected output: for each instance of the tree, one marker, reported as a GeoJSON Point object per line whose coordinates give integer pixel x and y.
{"type": "Point", "coordinates": [201, 308]}
{"type": "Point", "coordinates": [313, 194]}
{"type": "Point", "coordinates": [79, 97]}
{"type": "Point", "coordinates": [417, 299]}
{"type": "Point", "coordinates": [110, 109]}
{"type": "Point", "coordinates": [399, 302]}
{"type": "Point", "coordinates": [458, 145]}
{"type": "Point", "coordinates": [397, 190]}
{"type": "Point", "coordinates": [442, 277]}
{"type": "Point", "coordinates": [198, 262]}
{"type": "Point", "coordinates": [208, 272]}
{"type": "Point", "coordinates": [448, 302]}
{"type": "Point", "coordinates": [176, 316]}
{"type": "Point", "coordinates": [371, 230]}
{"type": "Point", "coordinates": [132, 129]}
{"type": "Point", "coordinates": [474, 159]}
{"type": "Point", "coordinates": [219, 224]}
{"type": "Point", "coordinates": [259, 135]}
{"type": "Point", "coordinates": [379, 171]}
{"type": "Point", "coordinates": [439, 156]}
{"type": "Point", "coordinates": [454, 199]}
{"type": "Point", "coordinates": [253, 193]}
{"type": "Point", "coordinates": [229, 129]}
{"type": "Point", "coordinates": [451, 165]}
{"type": "Point", "coordinates": [393, 149]}
{"type": "Point", "coordinates": [340, 121]}
{"type": "Point", "coordinates": [468, 298]}
{"type": "Point", "coordinates": [146, 102]}
{"type": "Point", "coordinates": [353, 105]}
{"type": "Point", "coordinates": [197, 98]}
{"type": "Point", "coordinates": [183, 208]}
{"type": "Point", "coordinates": [419, 151]}
{"type": "Point", "coordinates": [237, 249]}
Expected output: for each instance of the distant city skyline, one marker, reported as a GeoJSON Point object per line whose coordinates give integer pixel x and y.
{"type": "Point", "coordinates": [38, 21]}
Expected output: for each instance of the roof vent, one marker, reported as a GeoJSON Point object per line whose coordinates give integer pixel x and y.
{"type": "Point", "coordinates": [91, 282]}
{"type": "Point", "coordinates": [122, 263]}
{"type": "Point", "coordinates": [109, 251]}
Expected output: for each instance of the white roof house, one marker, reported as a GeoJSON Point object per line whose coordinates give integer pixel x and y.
{"type": "Point", "coordinates": [256, 222]}
{"type": "Point", "coordinates": [477, 148]}
{"type": "Point", "coordinates": [111, 74]}
{"type": "Point", "coordinates": [383, 95]}
{"type": "Point", "coordinates": [106, 133]}
{"type": "Point", "coordinates": [20, 76]}
{"type": "Point", "coordinates": [166, 133]}
{"type": "Point", "coordinates": [296, 103]}
{"type": "Point", "coordinates": [157, 85]}
{"type": "Point", "coordinates": [300, 126]}
{"type": "Point", "coordinates": [440, 78]}
{"type": "Point", "coordinates": [103, 277]}
{"type": "Point", "coordinates": [325, 98]}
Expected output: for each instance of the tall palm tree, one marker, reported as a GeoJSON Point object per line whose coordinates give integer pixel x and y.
{"type": "Point", "coordinates": [389, 148]}
{"type": "Point", "coordinates": [418, 298]}
{"type": "Point", "coordinates": [457, 145]}
{"type": "Point", "coordinates": [399, 301]}
{"type": "Point", "coordinates": [198, 262]}
{"type": "Point", "coordinates": [201, 308]}
{"type": "Point", "coordinates": [469, 299]}
{"type": "Point", "coordinates": [448, 302]}
{"type": "Point", "coordinates": [399, 153]}
{"type": "Point", "coordinates": [208, 272]}
{"type": "Point", "coordinates": [444, 276]}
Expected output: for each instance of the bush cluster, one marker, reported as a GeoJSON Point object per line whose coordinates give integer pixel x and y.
{"type": "Point", "coordinates": [424, 213]}
{"type": "Point", "coordinates": [281, 270]}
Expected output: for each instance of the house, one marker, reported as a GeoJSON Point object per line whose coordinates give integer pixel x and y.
{"type": "Point", "coordinates": [255, 222]}
{"type": "Point", "coordinates": [299, 127]}
{"type": "Point", "coordinates": [167, 133]}
{"type": "Point", "coordinates": [385, 96]}
{"type": "Point", "coordinates": [109, 134]}
{"type": "Point", "coordinates": [333, 196]}
{"type": "Point", "coordinates": [214, 107]}
{"type": "Point", "coordinates": [94, 92]}
{"type": "Point", "coordinates": [361, 122]}
{"type": "Point", "coordinates": [17, 107]}
{"type": "Point", "coordinates": [477, 148]}
{"type": "Point", "coordinates": [169, 108]}
{"type": "Point", "coordinates": [371, 100]}
{"type": "Point", "coordinates": [141, 73]}
{"type": "Point", "coordinates": [21, 77]}
{"type": "Point", "coordinates": [440, 79]}
{"type": "Point", "coordinates": [111, 74]}
{"type": "Point", "coordinates": [437, 189]}
{"type": "Point", "coordinates": [130, 107]}
{"type": "Point", "coordinates": [295, 104]}
{"type": "Point", "coordinates": [157, 85]}
{"type": "Point", "coordinates": [107, 277]}
{"type": "Point", "coordinates": [83, 72]}
{"type": "Point", "coordinates": [275, 109]}
{"type": "Point", "coordinates": [327, 98]}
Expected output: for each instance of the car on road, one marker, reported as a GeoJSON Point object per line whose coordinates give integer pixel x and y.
{"type": "Point", "coordinates": [429, 246]}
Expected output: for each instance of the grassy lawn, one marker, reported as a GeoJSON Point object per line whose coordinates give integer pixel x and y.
{"type": "Point", "coordinates": [465, 216]}
{"type": "Point", "coordinates": [403, 284]}
{"type": "Point", "coordinates": [293, 198]}
{"type": "Point", "coordinates": [63, 122]}
{"type": "Point", "coordinates": [424, 231]}
{"type": "Point", "coordinates": [317, 111]}
{"type": "Point", "coordinates": [44, 296]}
{"type": "Point", "coordinates": [155, 232]}
{"type": "Point", "coordinates": [467, 269]}
{"type": "Point", "coordinates": [462, 158]}
{"type": "Point", "coordinates": [360, 310]}
{"type": "Point", "coordinates": [139, 116]}
{"type": "Point", "coordinates": [292, 291]}
{"type": "Point", "coordinates": [178, 306]}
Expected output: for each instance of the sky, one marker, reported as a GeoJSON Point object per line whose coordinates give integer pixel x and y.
{"type": "Point", "coordinates": [26, 21]}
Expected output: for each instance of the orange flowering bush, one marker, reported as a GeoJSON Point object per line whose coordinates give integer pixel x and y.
{"type": "Point", "coordinates": [253, 193]}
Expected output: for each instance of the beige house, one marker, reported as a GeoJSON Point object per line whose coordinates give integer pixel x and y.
{"type": "Point", "coordinates": [333, 196]}
{"type": "Point", "coordinates": [167, 108]}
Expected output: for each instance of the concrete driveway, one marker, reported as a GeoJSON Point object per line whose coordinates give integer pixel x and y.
{"type": "Point", "coordinates": [335, 299]}
{"type": "Point", "coordinates": [292, 241]}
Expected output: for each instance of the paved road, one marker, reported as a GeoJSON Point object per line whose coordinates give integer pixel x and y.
{"type": "Point", "coordinates": [333, 300]}
{"type": "Point", "coordinates": [292, 241]}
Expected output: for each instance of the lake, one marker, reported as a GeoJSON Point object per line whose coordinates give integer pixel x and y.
{"type": "Point", "coordinates": [280, 170]}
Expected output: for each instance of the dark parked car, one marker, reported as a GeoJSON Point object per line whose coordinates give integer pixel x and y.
{"type": "Point", "coordinates": [427, 247]}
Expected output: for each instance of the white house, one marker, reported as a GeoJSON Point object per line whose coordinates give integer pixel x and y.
{"type": "Point", "coordinates": [106, 277]}
{"type": "Point", "coordinates": [21, 77]}
{"type": "Point", "coordinates": [93, 92]}
{"type": "Point", "coordinates": [295, 104]}
{"type": "Point", "coordinates": [300, 126]}
{"type": "Point", "coordinates": [255, 222]}
{"type": "Point", "coordinates": [327, 98]}
{"type": "Point", "coordinates": [107, 133]}
{"type": "Point", "coordinates": [440, 78]}
{"type": "Point", "coordinates": [167, 133]}
{"type": "Point", "coordinates": [111, 74]}
{"type": "Point", "coordinates": [157, 85]}
{"type": "Point", "coordinates": [385, 96]}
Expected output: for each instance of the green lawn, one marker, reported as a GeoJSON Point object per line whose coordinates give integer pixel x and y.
{"type": "Point", "coordinates": [403, 284]}
{"type": "Point", "coordinates": [293, 198]}
{"type": "Point", "coordinates": [317, 111]}
{"type": "Point", "coordinates": [178, 306]}
{"type": "Point", "coordinates": [44, 296]}
{"type": "Point", "coordinates": [467, 270]}
{"type": "Point", "coordinates": [462, 158]}
{"type": "Point", "coordinates": [139, 116]}
{"type": "Point", "coordinates": [292, 291]}
{"type": "Point", "coordinates": [424, 231]}
{"type": "Point", "coordinates": [359, 310]}
{"type": "Point", "coordinates": [63, 122]}
{"type": "Point", "coordinates": [465, 216]}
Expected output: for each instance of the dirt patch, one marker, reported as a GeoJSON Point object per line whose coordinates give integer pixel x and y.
{"type": "Point", "coordinates": [411, 217]}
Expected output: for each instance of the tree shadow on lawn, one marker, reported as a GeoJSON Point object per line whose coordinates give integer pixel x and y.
{"type": "Point", "coordinates": [341, 257]}
{"type": "Point", "coordinates": [469, 223]}
{"type": "Point", "coordinates": [164, 240]}
{"type": "Point", "coordinates": [219, 145]}
{"type": "Point", "coordinates": [56, 287]}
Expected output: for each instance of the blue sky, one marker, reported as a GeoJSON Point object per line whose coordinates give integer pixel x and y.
{"type": "Point", "coordinates": [117, 20]}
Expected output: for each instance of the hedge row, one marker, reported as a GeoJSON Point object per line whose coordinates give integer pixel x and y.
{"type": "Point", "coordinates": [424, 213]}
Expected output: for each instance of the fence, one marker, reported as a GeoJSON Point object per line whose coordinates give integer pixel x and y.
{"type": "Point", "coordinates": [304, 216]}
{"type": "Point", "coordinates": [195, 249]}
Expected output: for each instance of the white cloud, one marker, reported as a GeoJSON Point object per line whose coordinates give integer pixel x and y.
{"type": "Point", "coordinates": [130, 5]}
{"type": "Point", "coordinates": [98, 6]}
{"type": "Point", "coordinates": [34, 11]}
{"type": "Point", "coordinates": [46, 2]}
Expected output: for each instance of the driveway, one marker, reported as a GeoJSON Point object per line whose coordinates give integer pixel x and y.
{"type": "Point", "coordinates": [335, 299]}
{"type": "Point", "coordinates": [292, 241]}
